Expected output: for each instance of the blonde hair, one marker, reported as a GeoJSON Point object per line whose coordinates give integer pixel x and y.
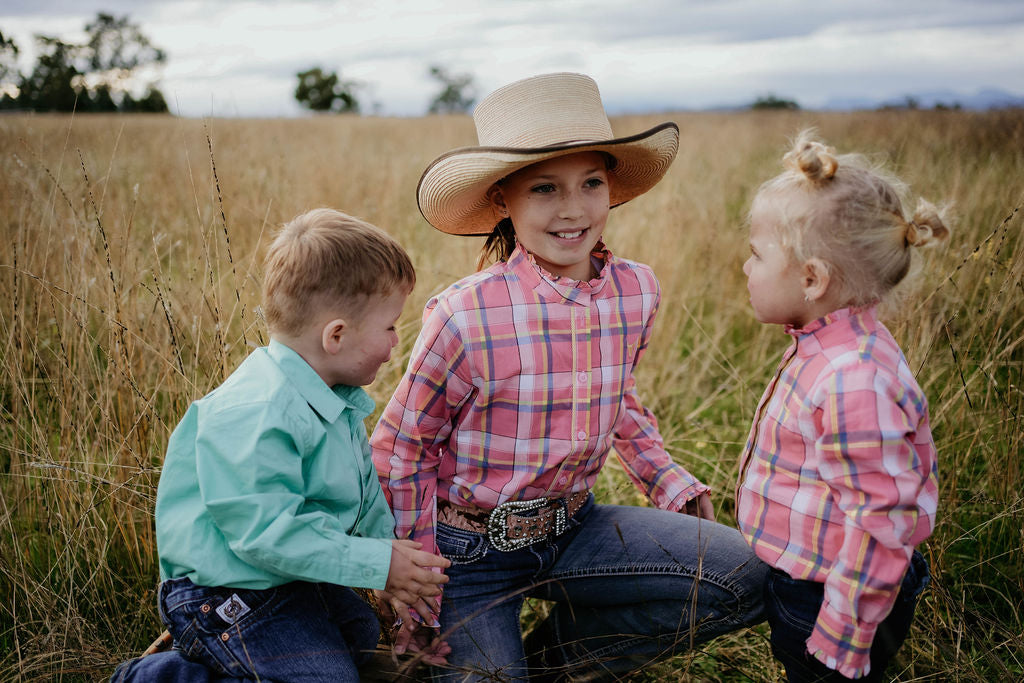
{"type": "Point", "coordinates": [325, 258]}
{"type": "Point", "coordinates": [848, 213]}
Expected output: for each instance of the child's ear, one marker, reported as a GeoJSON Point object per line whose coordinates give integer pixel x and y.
{"type": "Point", "coordinates": [332, 335]}
{"type": "Point", "coordinates": [497, 200]}
{"type": "Point", "coordinates": [815, 279]}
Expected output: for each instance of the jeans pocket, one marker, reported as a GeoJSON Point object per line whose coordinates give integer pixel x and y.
{"type": "Point", "coordinates": [793, 602]}
{"type": "Point", "coordinates": [205, 621]}
{"type": "Point", "coordinates": [460, 546]}
{"type": "Point", "coordinates": [194, 646]}
{"type": "Point", "coordinates": [235, 608]}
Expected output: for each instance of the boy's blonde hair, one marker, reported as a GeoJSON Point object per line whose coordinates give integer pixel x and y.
{"type": "Point", "coordinates": [325, 258]}
{"type": "Point", "coordinates": [848, 213]}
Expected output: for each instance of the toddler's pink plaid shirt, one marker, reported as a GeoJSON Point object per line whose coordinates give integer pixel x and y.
{"type": "Point", "coordinates": [838, 480]}
{"type": "Point", "coordinates": [517, 388]}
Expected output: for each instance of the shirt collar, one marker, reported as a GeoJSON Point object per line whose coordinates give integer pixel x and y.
{"type": "Point", "coordinates": [328, 402]}
{"type": "Point", "coordinates": [525, 266]}
{"type": "Point", "coordinates": [843, 314]}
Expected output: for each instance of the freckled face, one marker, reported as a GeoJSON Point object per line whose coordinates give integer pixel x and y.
{"type": "Point", "coordinates": [559, 208]}
{"type": "Point", "coordinates": [773, 280]}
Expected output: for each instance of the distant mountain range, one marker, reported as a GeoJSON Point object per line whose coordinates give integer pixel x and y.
{"type": "Point", "coordinates": [987, 98]}
{"type": "Point", "coordinates": [983, 99]}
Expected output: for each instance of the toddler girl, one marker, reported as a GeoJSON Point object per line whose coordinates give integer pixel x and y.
{"type": "Point", "coordinates": [520, 385]}
{"type": "Point", "coordinates": [837, 482]}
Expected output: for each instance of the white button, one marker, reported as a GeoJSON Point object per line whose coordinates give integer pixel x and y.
{"type": "Point", "coordinates": [581, 435]}
{"type": "Point", "coordinates": [582, 377]}
{"type": "Point", "coordinates": [563, 480]}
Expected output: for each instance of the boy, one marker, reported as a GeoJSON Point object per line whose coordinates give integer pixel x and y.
{"type": "Point", "coordinates": [268, 507]}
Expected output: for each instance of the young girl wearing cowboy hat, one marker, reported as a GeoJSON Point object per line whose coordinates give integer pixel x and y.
{"type": "Point", "coordinates": [520, 385]}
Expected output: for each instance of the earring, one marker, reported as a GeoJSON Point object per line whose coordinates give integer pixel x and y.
{"type": "Point", "coordinates": [807, 298]}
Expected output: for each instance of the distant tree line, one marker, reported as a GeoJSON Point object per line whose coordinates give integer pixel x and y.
{"type": "Point", "coordinates": [907, 103]}
{"type": "Point", "coordinates": [97, 75]}
{"type": "Point", "coordinates": [773, 102]}
{"type": "Point", "coordinates": [323, 91]}
{"type": "Point", "coordinates": [910, 102]}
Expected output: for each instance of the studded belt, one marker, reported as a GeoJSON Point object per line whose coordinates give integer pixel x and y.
{"type": "Point", "coordinates": [517, 523]}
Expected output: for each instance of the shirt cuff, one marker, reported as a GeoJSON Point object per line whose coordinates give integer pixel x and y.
{"type": "Point", "coordinates": [689, 493]}
{"type": "Point", "coordinates": [841, 643]}
{"type": "Point", "coordinates": [367, 564]}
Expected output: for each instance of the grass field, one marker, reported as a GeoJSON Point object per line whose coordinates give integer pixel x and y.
{"type": "Point", "coordinates": [129, 277]}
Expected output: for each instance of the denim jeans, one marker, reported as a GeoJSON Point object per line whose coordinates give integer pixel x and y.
{"type": "Point", "coordinates": [792, 606]}
{"type": "Point", "coordinates": [629, 585]}
{"type": "Point", "coordinates": [294, 632]}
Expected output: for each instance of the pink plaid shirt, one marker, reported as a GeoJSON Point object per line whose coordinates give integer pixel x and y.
{"type": "Point", "coordinates": [838, 480]}
{"type": "Point", "coordinates": [517, 388]}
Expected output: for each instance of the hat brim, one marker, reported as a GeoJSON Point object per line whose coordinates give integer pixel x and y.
{"type": "Point", "coordinates": [452, 192]}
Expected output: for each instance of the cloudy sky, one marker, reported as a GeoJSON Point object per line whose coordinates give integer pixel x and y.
{"type": "Point", "coordinates": [240, 58]}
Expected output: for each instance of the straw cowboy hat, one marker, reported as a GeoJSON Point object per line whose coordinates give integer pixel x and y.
{"type": "Point", "coordinates": [528, 121]}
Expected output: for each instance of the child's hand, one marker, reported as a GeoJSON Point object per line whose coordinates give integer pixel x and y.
{"type": "Point", "coordinates": [408, 634]}
{"type": "Point", "coordinates": [423, 641]}
{"type": "Point", "coordinates": [700, 507]}
{"type": "Point", "coordinates": [410, 579]}
{"type": "Point", "coordinates": [393, 612]}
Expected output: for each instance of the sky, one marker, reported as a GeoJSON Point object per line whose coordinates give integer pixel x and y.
{"type": "Point", "coordinates": [241, 57]}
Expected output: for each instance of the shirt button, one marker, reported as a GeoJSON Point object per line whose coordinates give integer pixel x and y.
{"type": "Point", "coordinates": [562, 480]}
{"type": "Point", "coordinates": [581, 435]}
{"type": "Point", "coordinates": [225, 636]}
{"type": "Point", "coordinates": [582, 377]}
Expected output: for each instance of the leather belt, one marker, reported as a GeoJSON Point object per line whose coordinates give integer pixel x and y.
{"type": "Point", "coordinates": [516, 523]}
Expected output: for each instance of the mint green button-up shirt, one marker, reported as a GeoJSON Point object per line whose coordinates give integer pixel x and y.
{"type": "Point", "coordinates": [268, 479]}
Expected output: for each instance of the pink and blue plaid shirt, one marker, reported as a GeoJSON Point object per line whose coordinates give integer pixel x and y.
{"type": "Point", "coordinates": [838, 480]}
{"type": "Point", "coordinates": [518, 387]}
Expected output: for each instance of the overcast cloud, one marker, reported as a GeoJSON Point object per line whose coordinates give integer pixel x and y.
{"type": "Point", "coordinates": [240, 58]}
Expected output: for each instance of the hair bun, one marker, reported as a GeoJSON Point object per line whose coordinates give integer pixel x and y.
{"type": "Point", "coordinates": [927, 226]}
{"type": "Point", "coordinates": [812, 158]}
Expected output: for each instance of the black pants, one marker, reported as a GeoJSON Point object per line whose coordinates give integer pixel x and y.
{"type": "Point", "coordinates": [792, 607]}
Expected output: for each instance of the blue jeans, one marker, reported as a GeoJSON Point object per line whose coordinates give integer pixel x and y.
{"type": "Point", "coordinates": [630, 585]}
{"type": "Point", "coordinates": [294, 632]}
{"type": "Point", "coordinates": [792, 606]}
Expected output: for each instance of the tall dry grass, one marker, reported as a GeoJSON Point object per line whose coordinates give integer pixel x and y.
{"type": "Point", "coordinates": [129, 278]}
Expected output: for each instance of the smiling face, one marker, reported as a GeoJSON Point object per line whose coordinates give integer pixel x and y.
{"type": "Point", "coordinates": [775, 283]}
{"type": "Point", "coordinates": [559, 208]}
{"type": "Point", "coordinates": [366, 341]}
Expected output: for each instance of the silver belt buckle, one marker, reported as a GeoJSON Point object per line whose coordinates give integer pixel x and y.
{"type": "Point", "coordinates": [497, 523]}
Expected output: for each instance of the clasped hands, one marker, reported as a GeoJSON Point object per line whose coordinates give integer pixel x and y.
{"type": "Point", "coordinates": [411, 598]}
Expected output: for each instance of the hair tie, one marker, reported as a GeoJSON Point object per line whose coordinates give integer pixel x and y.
{"type": "Point", "coordinates": [815, 160]}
